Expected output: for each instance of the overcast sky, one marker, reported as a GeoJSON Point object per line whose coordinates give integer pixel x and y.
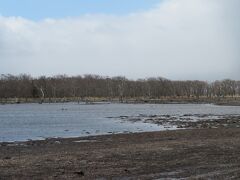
{"type": "Point", "coordinates": [175, 39]}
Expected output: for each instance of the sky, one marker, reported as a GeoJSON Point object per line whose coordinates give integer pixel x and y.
{"type": "Point", "coordinates": [41, 9]}
{"type": "Point", "coordinates": [175, 39]}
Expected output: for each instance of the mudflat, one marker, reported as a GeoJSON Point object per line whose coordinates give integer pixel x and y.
{"type": "Point", "coordinates": [195, 154]}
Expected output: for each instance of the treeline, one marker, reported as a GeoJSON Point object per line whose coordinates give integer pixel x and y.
{"type": "Point", "coordinates": [62, 86]}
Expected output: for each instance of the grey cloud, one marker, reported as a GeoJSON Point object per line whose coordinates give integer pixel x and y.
{"type": "Point", "coordinates": [180, 39]}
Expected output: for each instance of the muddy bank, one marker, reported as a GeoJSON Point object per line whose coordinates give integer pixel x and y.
{"type": "Point", "coordinates": [201, 153]}
{"type": "Point", "coordinates": [224, 101]}
{"type": "Point", "coordinates": [186, 121]}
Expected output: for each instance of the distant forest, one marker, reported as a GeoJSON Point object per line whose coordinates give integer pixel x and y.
{"type": "Point", "coordinates": [62, 86]}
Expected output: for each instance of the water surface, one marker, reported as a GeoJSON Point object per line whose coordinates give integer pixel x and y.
{"type": "Point", "coordinates": [20, 122]}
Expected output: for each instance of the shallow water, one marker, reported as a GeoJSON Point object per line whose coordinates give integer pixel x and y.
{"type": "Point", "coordinates": [20, 122]}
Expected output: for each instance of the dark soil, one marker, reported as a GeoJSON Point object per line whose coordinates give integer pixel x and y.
{"type": "Point", "coordinates": [193, 154]}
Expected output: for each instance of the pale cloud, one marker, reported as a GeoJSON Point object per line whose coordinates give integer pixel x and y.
{"type": "Point", "coordinates": [179, 39]}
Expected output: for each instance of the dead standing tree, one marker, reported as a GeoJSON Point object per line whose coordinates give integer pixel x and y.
{"type": "Point", "coordinates": [42, 95]}
{"type": "Point", "coordinates": [121, 87]}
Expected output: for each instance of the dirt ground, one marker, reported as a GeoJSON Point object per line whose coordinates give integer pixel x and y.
{"type": "Point", "coordinates": [184, 154]}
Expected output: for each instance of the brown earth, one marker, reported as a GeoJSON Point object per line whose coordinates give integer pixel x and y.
{"type": "Point", "coordinates": [190, 154]}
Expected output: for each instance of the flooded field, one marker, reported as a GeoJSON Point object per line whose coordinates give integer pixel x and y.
{"type": "Point", "coordinates": [21, 122]}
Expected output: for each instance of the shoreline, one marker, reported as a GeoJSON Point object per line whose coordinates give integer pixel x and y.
{"type": "Point", "coordinates": [223, 101]}
{"type": "Point", "coordinates": [192, 153]}
{"type": "Point", "coordinates": [163, 122]}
